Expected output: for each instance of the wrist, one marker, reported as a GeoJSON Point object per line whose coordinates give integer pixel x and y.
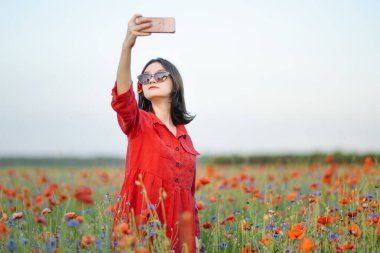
{"type": "Point", "coordinates": [129, 41]}
{"type": "Point", "coordinates": [127, 47]}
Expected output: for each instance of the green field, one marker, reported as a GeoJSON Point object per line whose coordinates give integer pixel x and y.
{"type": "Point", "coordinates": [315, 207]}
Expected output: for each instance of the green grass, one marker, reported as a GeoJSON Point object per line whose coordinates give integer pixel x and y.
{"type": "Point", "coordinates": [225, 195]}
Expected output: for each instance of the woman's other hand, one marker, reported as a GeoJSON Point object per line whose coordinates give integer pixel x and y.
{"type": "Point", "coordinates": [135, 25]}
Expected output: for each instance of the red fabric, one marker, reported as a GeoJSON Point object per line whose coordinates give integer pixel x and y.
{"type": "Point", "coordinates": [164, 160]}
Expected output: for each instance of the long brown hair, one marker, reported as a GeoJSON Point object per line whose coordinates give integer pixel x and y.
{"type": "Point", "coordinates": [178, 111]}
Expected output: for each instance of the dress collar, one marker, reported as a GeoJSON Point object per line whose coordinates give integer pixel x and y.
{"type": "Point", "coordinates": [181, 130]}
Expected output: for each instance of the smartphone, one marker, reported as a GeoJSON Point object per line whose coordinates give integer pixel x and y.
{"type": "Point", "coordinates": [161, 25]}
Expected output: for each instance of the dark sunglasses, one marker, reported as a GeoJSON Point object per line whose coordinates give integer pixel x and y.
{"type": "Point", "coordinates": [159, 76]}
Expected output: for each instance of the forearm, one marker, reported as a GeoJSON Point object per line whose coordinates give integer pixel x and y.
{"type": "Point", "coordinates": [124, 79]}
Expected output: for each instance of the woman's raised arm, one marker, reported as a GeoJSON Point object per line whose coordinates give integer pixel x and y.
{"type": "Point", "coordinates": [135, 24]}
{"type": "Point", "coordinates": [123, 97]}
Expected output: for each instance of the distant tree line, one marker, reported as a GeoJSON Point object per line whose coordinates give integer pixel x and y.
{"type": "Point", "coordinates": [60, 162]}
{"type": "Point", "coordinates": [337, 157]}
{"type": "Point", "coordinates": [232, 159]}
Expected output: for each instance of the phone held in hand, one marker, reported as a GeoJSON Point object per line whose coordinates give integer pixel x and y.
{"type": "Point", "coordinates": [161, 25]}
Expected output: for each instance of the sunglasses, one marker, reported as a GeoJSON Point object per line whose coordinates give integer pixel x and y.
{"type": "Point", "coordinates": [159, 76]}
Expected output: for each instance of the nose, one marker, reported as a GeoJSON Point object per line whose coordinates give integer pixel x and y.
{"type": "Point", "coordinates": [152, 80]}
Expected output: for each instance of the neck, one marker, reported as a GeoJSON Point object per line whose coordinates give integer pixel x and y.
{"type": "Point", "coordinates": [161, 109]}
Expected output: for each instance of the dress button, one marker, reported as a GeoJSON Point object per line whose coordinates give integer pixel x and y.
{"type": "Point", "coordinates": [177, 148]}
{"type": "Point", "coordinates": [177, 164]}
{"type": "Point", "coordinates": [176, 179]}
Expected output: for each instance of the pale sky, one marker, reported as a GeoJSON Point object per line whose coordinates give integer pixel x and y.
{"type": "Point", "coordinates": [261, 76]}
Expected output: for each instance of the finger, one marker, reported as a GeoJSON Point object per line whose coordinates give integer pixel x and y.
{"type": "Point", "coordinates": [142, 26]}
{"type": "Point", "coordinates": [133, 18]}
{"type": "Point", "coordinates": [141, 20]}
{"type": "Point", "coordinates": [142, 33]}
{"type": "Point", "coordinates": [136, 16]}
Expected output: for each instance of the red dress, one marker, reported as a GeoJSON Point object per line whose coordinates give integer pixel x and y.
{"type": "Point", "coordinates": [164, 161]}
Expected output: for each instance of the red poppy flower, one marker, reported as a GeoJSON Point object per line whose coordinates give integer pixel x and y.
{"type": "Point", "coordinates": [40, 219]}
{"type": "Point", "coordinates": [307, 245]}
{"type": "Point", "coordinates": [207, 225]}
{"type": "Point", "coordinates": [87, 240]}
{"type": "Point", "coordinates": [354, 230]}
{"type": "Point", "coordinates": [139, 87]}
{"type": "Point", "coordinates": [83, 194]}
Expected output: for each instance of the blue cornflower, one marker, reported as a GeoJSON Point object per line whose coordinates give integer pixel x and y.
{"type": "Point", "coordinates": [222, 245]}
{"type": "Point", "coordinates": [152, 233]}
{"type": "Point", "coordinates": [333, 236]}
{"type": "Point", "coordinates": [10, 223]}
{"type": "Point", "coordinates": [151, 206]}
{"type": "Point", "coordinates": [373, 216]}
{"type": "Point", "coordinates": [213, 217]}
{"type": "Point", "coordinates": [369, 196]}
{"type": "Point", "coordinates": [98, 244]}
{"type": "Point", "coordinates": [72, 223]}
{"type": "Point", "coordinates": [141, 226]}
{"type": "Point", "coordinates": [51, 244]}
{"type": "Point", "coordinates": [24, 241]}
{"type": "Point", "coordinates": [257, 226]}
{"type": "Point", "coordinates": [87, 211]}
{"type": "Point", "coordinates": [292, 201]}
{"type": "Point", "coordinates": [275, 235]}
{"type": "Point", "coordinates": [36, 246]}
{"type": "Point", "coordinates": [11, 244]}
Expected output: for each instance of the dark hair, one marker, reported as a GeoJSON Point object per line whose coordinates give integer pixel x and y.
{"type": "Point", "coordinates": [178, 111]}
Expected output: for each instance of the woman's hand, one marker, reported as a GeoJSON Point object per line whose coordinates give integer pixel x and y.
{"type": "Point", "coordinates": [197, 248]}
{"type": "Point", "coordinates": [135, 25]}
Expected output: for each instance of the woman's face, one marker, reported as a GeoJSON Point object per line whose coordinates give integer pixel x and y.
{"type": "Point", "coordinates": [163, 88]}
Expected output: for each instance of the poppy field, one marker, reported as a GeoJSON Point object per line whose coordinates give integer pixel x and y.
{"type": "Point", "coordinates": [317, 207]}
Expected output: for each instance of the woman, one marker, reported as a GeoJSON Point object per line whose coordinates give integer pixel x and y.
{"type": "Point", "coordinates": [159, 148]}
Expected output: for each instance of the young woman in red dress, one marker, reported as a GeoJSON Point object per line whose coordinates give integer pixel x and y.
{"type": "Point", "coordinates": [159, 147]}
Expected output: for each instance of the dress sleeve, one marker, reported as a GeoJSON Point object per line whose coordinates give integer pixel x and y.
{"type": "Point", "coordinates": [197, 228]}
{"type": "Point", "coordinates": [128, 114]}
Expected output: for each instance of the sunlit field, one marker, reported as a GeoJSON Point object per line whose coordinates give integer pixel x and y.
{"type": "Point", "coordinates": [327, 207]}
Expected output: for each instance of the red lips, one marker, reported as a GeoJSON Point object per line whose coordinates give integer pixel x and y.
{"type": "Point", "coordinates": [151, 87]}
